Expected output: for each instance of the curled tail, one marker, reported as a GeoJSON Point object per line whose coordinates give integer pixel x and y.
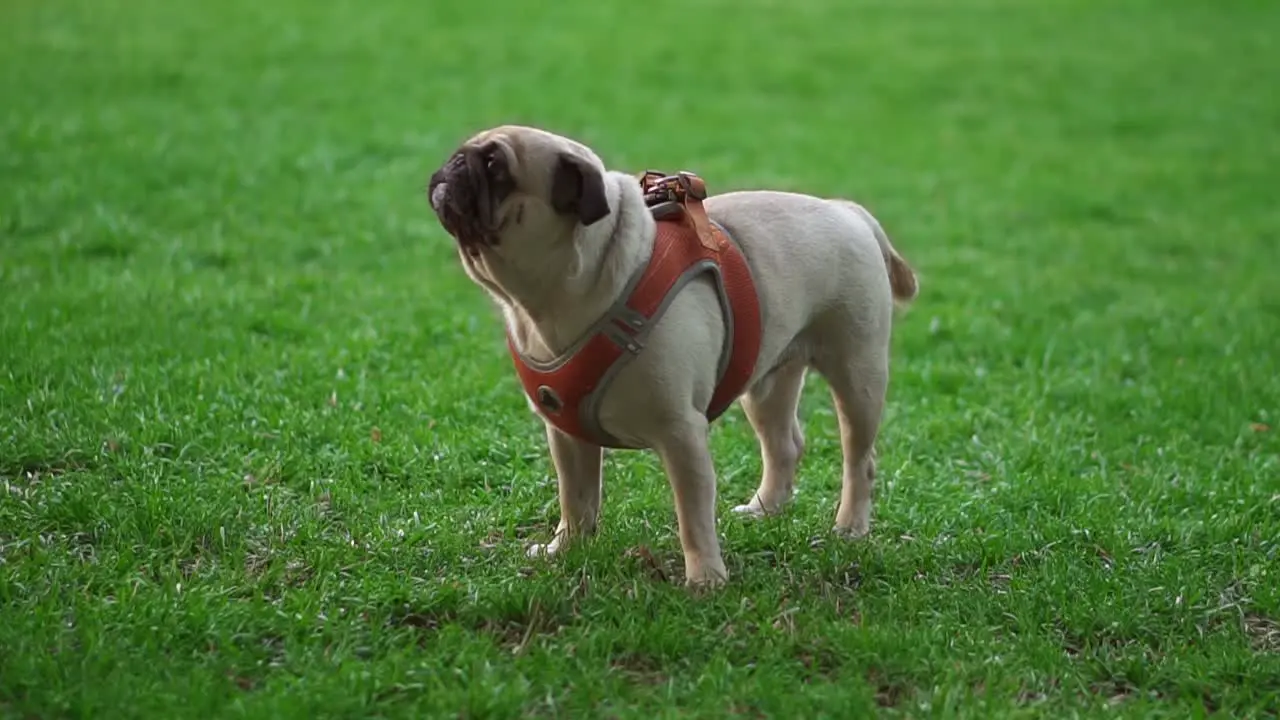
{"type": "Point", "coordinates": [902, 279]}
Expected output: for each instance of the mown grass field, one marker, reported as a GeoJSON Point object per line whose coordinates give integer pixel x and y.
{"type": "Point", "coordinates": [262, 453]}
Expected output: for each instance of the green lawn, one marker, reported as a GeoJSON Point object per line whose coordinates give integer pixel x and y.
{"type": "Point", "coordinates": [263, 454]}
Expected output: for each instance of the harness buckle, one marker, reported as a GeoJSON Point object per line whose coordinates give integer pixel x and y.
{"type": "Point", "coordinates": [620, 337]}
{"type": "Point", "coordinates": [665, 210]}
{"type": "Point", "coordinates": [692, 185]}
{"type": "Point", "coordinates": [631, 318]}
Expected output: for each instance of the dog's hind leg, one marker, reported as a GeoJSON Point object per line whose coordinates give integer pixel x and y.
{"type": "Point", "coordinates": [771, 407]}
{"type": "Point", "coordinates": [859, 381]}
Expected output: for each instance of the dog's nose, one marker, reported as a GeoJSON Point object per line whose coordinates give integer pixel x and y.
{"type": "Point", "coordinates": [438, 190]}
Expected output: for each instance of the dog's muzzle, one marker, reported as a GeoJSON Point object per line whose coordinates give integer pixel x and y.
{"type": "Point", "coordinates": [458, 192]}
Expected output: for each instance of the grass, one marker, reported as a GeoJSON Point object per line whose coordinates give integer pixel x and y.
{"type": "Point", "coordinates": [262, 453]}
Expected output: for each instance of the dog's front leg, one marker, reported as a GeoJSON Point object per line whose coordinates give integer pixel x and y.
{"type": "Point", "coordinates": [578, 477]}
{"type": "Point", "coordinates": [687, 461]}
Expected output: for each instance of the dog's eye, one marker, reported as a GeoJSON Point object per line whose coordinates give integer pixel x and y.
{"type": "Point", "coordinates": [496, 167]}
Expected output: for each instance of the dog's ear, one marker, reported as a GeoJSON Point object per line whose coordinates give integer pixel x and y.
{"type": "Point", "coordinates": [577, 188]}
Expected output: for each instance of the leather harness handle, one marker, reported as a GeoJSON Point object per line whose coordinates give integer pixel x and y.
{"type": "Point", "coordinates": [668, 194]}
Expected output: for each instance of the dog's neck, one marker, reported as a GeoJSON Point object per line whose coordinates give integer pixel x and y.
{"type": "Point", "coordinates": [549, 306]}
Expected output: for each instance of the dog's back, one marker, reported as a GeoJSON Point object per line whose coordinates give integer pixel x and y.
{"type": "Point", "coordinates": [814, 247]}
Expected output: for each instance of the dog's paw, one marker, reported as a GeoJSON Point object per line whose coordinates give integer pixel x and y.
{"type": "Point", "coordinates": [705, 585]}
{"type": "Point", "coordinates": [705, 577]}
{"type": "Point", "coordinates": [547, 550]}
{"type": "Point", "coordinates": [760, 508]}
{"type": "Point", "coordinates": [852, 531]}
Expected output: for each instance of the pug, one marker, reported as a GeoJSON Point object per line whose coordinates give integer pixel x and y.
{"type": "Point", "coordinates": [556, 238]}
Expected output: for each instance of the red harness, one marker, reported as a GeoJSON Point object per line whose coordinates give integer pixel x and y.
{"type": "Point", "coordinates": [567, 391]}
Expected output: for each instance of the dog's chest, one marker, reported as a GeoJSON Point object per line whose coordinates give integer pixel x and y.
{"type": "Point", "coordinates": [568, 390]}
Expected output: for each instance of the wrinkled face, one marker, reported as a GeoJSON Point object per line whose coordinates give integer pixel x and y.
{"type": "Point", "coordinates": [511, 185]}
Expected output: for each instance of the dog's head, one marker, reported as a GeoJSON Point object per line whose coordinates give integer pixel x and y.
{"type": "Point", "coordinates": [516, 189]}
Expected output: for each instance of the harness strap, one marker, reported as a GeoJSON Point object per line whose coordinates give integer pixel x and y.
{"type": "Point", "coordinates": [741, 303]}
{"type": "Point", "coordinates": [568, 392]}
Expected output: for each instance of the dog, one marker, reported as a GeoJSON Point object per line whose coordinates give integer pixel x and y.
{"type": "Point", "coordinates": [555, 237]}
